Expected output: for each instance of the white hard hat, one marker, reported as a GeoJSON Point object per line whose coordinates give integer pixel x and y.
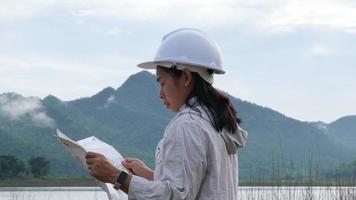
{"type": "Point", "coordinates": [188, 47]}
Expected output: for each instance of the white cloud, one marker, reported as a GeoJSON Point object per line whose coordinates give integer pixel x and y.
{"type": "Point", "coordinates": [270, 15]}
{"type": "Point", "coordinates": [313, 14]}
{"type": "Point", "coordinates": [110, 101]}
{"type": "Point", "coordinates": [105, 66]}
{"type": "Point", "coordinates": [322, 126]}
{"type": "Point", "coordinates": [66, 79]}
{"type": "Point", "coordinates": [16, 107]}
{"type": "Point", "coordinates": [15, 9]}
{"type": "Point", "coordinates": [41, 119]}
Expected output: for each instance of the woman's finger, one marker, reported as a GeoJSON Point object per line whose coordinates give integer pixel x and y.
{"type": "Point", "coordinates": [128, 165]}
{"type": "Point", "coordinates": [90, 160]}
{"type": "Point", "coordinates": [92, 155]}
{"type": "Point", "coordinates": [131, 160]}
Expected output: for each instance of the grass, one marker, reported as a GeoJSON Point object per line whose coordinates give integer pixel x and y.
{"type": "Point", "coordinates": [286, 183]}
{"type": "Point", "coordinates": [297, 193]}
{"type": "Point", "coordinates": [289, 181]}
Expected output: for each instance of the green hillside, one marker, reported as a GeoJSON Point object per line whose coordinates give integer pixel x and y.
{"type": "Point", "coordinates": [343, 131]}
{"type": "Point", "coordinates": [132, 119]}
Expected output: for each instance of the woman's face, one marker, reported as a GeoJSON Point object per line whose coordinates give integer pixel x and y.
{"type": "Point", "coordinates": [174, 91]}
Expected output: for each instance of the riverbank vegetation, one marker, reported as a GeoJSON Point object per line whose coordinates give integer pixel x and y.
{"type": "Point", "coordinates": [36, 173]}
{"type": "Point", "coordinates": [13, 167]}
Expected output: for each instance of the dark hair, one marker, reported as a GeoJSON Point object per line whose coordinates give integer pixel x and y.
{"type": "Point", "coordinates": [222, 113]}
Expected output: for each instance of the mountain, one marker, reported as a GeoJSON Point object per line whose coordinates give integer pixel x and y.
{"type": "Point", "coordinates": [27, 129]}
{"type": "Point", "coordinates": [132, 118]}
{"type": "Point", "coordinates": [343, 131]}
{"type": "Point", "coordinates": [286, 144]}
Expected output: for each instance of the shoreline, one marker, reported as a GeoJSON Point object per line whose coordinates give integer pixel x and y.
{"type": "Point", "coordinates": [48, 183]}
{"type": "Point", "coordinates": [86, 182]}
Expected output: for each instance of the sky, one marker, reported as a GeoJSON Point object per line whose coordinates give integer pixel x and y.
{"type": "Point", "coordinates": [297, 57]}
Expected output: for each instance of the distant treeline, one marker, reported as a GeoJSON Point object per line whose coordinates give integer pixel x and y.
{"type": "Point", "coordinates": [289, 174]}
{"type": "Point", "coordinates": [344, 171]}
{"type": "Point", "coordinates": [13, 167]}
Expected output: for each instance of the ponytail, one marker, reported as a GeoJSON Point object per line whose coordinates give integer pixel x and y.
{"type": "Point", "coordinates": [222, 113]}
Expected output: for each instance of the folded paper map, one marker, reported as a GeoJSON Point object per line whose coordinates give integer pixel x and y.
{"type": "Point", "coordinates": [78, 149]}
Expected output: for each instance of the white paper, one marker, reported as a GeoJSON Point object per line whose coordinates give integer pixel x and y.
{"type": "Point", "coordinates": [78, 149]}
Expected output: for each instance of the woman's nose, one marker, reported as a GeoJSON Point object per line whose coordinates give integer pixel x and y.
{"type": "Point", "coordinates": [161, 96]}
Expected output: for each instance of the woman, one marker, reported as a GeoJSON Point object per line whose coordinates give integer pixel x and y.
{"type": "Point", "coordinates": [197, 157]}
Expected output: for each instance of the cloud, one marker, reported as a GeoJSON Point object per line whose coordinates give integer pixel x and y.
{"type": "Point", "coordinates": [18, 9]}
{"type": "Point", "coordinates": [264, 15]}
{"type": "Point", "coordinates": [40, 118]}
{"type": "Point", "coordinates": [64, 78]}
{"type": "Point", "coordinates": [294, 14]}
{"type": "Point", "coordinates": [110, 101]}
{"type": "Point", "coordinates": [15, 107]}
{"type": "Point", "coordinates": [30, 64]}
{"type": "Point", "coordinates": [321, 126]}
{"type": "Point", "coordinates": [270, 15]}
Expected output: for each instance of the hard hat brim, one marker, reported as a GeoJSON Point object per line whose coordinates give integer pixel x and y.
{"type": "Point", "coordinates": [153, 65]}
{"type": "Point", "coordinates": [148, 65]}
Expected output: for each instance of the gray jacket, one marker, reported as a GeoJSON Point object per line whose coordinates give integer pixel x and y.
{"type": "Point", "coordinates": [193, 161]}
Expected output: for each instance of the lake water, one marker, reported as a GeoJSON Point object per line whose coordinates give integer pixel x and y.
{"type": "Point", "coordinates": [245, 193]}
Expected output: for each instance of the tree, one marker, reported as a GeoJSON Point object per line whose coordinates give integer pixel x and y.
{"type": "Point", "coordinates": [11, 166]}
{"type": "Point", "coordinates": [40, 166]}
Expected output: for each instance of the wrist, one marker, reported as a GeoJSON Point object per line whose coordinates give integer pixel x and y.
{"type": "Point", "coordinates": [150, 175]}
{"type": "Point", "coordinates": [121, 179]}
{"type": "Point", "coordinates": [114, 176]}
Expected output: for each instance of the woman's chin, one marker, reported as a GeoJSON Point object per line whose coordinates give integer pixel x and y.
{"type": "Point", "coordinates": [170, 108]}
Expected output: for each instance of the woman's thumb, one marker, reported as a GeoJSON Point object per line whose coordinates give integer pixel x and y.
{"type": "Point", "coordinates": [126, 164]}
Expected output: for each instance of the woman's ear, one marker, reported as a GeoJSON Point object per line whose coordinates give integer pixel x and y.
{"type": "Point", "coordinates": [188, 77]}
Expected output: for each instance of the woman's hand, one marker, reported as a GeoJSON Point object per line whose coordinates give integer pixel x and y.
{"type": "Point", "coordinates": [137, 167]}
{"type": "Point", "coordinates": [101, 168]}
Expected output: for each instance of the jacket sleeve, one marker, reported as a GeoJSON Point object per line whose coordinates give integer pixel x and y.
{"type": "Point", "coordinates": [184, 162]}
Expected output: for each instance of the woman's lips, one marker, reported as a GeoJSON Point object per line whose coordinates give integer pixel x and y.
{"type": "Point", "coordinates": [166, 104]}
